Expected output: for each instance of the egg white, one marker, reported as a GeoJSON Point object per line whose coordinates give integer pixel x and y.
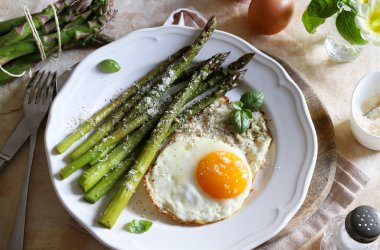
{"type": "Point", "coordinates": [173, 187]}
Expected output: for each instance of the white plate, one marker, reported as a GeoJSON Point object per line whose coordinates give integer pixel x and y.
{"type": "Point", "coordinates": [279, 190]}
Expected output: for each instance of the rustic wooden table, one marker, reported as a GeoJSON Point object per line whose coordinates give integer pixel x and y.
{"type": "Point", "coordinates": [49, 225]}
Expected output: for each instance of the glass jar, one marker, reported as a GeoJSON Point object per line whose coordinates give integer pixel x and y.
{"type": "Point", "coordinates": [337, 47]}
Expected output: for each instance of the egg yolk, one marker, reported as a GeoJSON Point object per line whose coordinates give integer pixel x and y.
{"type": "Point", "coordinates": [222, 175]}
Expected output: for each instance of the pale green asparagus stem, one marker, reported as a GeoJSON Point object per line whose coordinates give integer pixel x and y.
{"type": "Point", "coordinates": [107, 182]}
{"type": "Point", "coordinates": [106, 110]}
{"type": "Point", "coordinates": [145, 158]}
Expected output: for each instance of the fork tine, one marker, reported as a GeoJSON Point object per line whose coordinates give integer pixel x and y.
{"type": "Point", "coordinates": [43, 86]}
{"type": "Point", "coordinates": [31, 86]}
{"type": "Point", "coordinates": [51, 88]}
{"type": "Point", "coordinates": [39, 86]}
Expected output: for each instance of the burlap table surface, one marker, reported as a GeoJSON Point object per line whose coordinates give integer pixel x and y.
{"type": "Point", "coordinates": [47, 226]}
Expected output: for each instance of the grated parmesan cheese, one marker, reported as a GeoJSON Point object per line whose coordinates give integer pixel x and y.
{"type": "Point", "coordinates": [215, 122]}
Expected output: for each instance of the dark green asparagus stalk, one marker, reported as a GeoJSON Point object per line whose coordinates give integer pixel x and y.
{"type": "Point", "coordinates": [50, 41]}
{"type": "Point", "coordinates": [94, 40]}
{"type": "Point", "coordinates": [236, 65]}
{"type": "Point", "coordinates": [69, 14]}
{"type": "Point", "coordinates": [106, 110]}
{"type": "Point", "coordinates": [94, 25]}
{"type": "Point", "coordinates": [177, 69]}
{"type": "Point", "coordinates": [145, 158]}
{"type": "Point", "coordinates": [27, 62]}
{"type": "Point", "coordinates": [240, 63]}
{"type": "Point", "coordinates": [23, 30]}
{"type": "Point", "coordinates": [231, 81]}
{"type": "Point", "coordinates": [188, 72]}
{"type": "Point", "coordinates": [220, 74]}
{"type": "Point", "coordinates": [107, 182]}
{"type": "Point", "coordinates": [8, 25]}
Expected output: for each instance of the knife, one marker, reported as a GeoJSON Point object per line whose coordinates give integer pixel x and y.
{"type": "Point", "coordinates": [21, 133]}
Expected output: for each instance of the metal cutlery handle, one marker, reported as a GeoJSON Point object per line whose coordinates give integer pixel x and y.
{"type": "Point", "coordinates": [17, 240]}
{"type": "Point", "coordinates": [18, 137]}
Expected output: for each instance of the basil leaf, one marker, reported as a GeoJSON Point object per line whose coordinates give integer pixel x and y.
{"type": "Point", "coordinates": [109, 66]}
{"type": "Point", "coordinates": [311, 23]}
{"type": "Point", "coordinates": [248, 113]}
{"type": "Point", "coordinates": [346, 26]}
{"type": "Point", "coordinates": [252, 100]}
{"type": "Point", "coordinates": [352, 5]}
{"type": "Point", "coordinates": [138, 226]}
{"type": "Point", "coordinates": [241, 121]}
{"type": "Point", "coordinates": [238, 105]}
{"type": "Point", "coordinates": [323, 8]}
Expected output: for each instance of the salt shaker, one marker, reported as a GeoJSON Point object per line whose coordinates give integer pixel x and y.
{"type": "Point", "coordinates": [357, 231]}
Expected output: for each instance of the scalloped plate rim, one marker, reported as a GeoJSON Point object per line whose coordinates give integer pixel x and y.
{"type": "Point", "coordinates": [294, 204]}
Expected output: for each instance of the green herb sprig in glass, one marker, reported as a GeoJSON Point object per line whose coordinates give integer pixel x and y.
{"type": "Point", "coordinates": [318, 11]}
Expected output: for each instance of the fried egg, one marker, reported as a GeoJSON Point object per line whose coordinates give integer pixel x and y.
{"type": "Point", "coordinates": [199, 180]}
{"type": "Point", "coordinates": [206, 171]}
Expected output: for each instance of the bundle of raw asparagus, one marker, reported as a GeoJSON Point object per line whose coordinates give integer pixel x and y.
{"type": "Point", "coordinates": [130, 129]}
{"type": "Point", "coordinates": [80, 22]}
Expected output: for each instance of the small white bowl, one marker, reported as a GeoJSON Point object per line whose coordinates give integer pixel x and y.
{"type": "Point", "coordinates": [366, 88]}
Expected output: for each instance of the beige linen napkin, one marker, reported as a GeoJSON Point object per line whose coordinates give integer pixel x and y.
{"type": "Point", "coordinates": [349, 179]}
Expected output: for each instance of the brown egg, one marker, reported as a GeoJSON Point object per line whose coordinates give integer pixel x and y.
{"type": "Point", "coordinates": [269, 17]}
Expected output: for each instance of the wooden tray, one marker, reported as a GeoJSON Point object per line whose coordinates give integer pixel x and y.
{"type": "Point", "coordinates": [324, 172]}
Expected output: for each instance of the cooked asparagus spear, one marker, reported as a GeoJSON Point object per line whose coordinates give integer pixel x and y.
{"type": "Point", "coordinates": [229, 83]}
{"type": "Point", "coordinates": [23, 30]}
{"type": "Point", "coordinates": [110, 123]}
{"type": "Point", "coordinates": [119, 133]}
{"type": "Point", "coordinates": [221, 74]}
{"type": "Point", "coordinates": [240, 63]}
{"type": "Point", "coordinates": [106, 183]}
{"type": "Point", "coordinates": [92, 175]}
{"type": "Point", "coordinates": [145, 158]}
{"type": "Point", "coordinates": [107, 144]}
{"type": "Point", "coordinates": [121, 151]}
{"type": "Point", "coordinates": [173, 73]}
{"type": "Point", "coordinates": [111, 106]}
{"type": "Point", "coordinates": [188, 72]}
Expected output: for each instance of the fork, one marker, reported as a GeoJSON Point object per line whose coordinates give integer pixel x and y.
{"type": "Point", "coordinates": [37, 99]}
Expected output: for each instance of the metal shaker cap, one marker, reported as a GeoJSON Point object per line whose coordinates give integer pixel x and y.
{"type": "Point", "coordinates": [363, 224]}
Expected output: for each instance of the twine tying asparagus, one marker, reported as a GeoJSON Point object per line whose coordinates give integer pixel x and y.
{"type": "Point", "coordinates": [29, 19]}
{"type": "Point", "coordinates": [37, 38]}
{"type": "Point", "coordinates": [58, 31]}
